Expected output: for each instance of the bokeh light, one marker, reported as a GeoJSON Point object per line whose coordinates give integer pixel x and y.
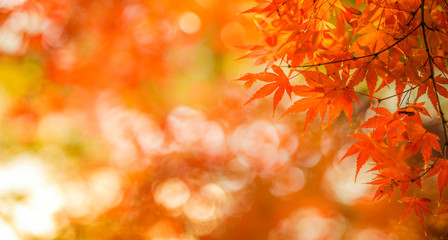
{"type": "Point", "coordinates": [172, 193]}
{"type": "Point", "coordinates": [189, 23]}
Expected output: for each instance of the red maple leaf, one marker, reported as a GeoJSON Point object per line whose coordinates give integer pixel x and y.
{"type": "Point", "coordinates": [365, 147]}
{"type": "Point", "coordinates": [389, 159]}
{"type": "Point", "coordinates": [412, 112]}
{"type": "Point", "coordinates": [387, 186]}
{"type": "Point", "coordinates": [444, 210]}
{"type": "Point", "coordinates": [428, 87]}
{"type": "Point", "coordinates": [419, 205]}
{"type": "Point", "coordinates": [385, 123]}
{"type": "Point", "coordinates": [441, 168]}
{"type": "Point", "coordinates": [422, 140]}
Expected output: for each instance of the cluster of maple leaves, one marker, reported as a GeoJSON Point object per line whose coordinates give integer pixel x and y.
{"type": "Point", "coordinates": [326, 55]}
{"type": "Point", "coordinates": [336, 51]}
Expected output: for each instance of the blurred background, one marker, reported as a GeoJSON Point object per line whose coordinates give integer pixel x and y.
{"type": "Point", "coordinates": [119, 119]}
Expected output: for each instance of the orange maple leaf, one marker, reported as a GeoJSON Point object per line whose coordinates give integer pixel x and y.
{"type": "Point", "coordinates": [444, 210]}
{"type": "Point", "coordinates": [278, 82]}
{"type": "Point", "coordinates": [322, 93]}
{"type": "Point", "coordinates": [387, 186]}
{"type": "Point", "coordinates": [412, 112]}
{"type": "Point", "coordinates": [362, 147]}
{"type": "Point", "coordinates": [441, 168]}
{"type": "Point", "coordinates": [422, 140]}
{"type": "Point", "coordinates": [418, 204]}
{"type": "Point", "coordinates": [385, 124]}
{"type": "Point", "coordinates": [368, 147]}
{"type": "Point", "coordinates": [428, 87]}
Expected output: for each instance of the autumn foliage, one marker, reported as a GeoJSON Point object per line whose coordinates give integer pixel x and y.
{"type": "Point", "coordinates": [120, 119]}
{"type": "Point", "coordinates": [331, 57]}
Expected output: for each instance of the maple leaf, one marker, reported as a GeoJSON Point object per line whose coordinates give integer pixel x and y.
{"type": "Point", "coordinates": [251, 78]}
{"type": "Point", "coordinates": [314, 105]}
{"type": "Point", "coordinates": [414, 108]}
{"type": "Point", "coordinates": [322, 93]}
{"type": "Point", "coordinates": [444, 210]}
{"type": "Point", "coordinates": [385, 124]}
{"type": "Point", "coordinates": [341, 96]}
{"type": "Point", "coordinates": [352, 10]}
{"type": "Point", "coordinates": [371, 79]}
{"type": "Point", "coordinates": [428, 87]}
{"type": "Point", "coordinates": [278, 82]}
{"type": "Point", "coordinates": [262, 55]}
{"type": "Point", "coordinates": [422, 140]}
{"type": "Point", "coordinates": [381, 118]}
{"type": "Point", "coordinates": [266, 7]}
{"type": "Point", "coordinates": [387, 186]}
{"type": "Point", "coordinates": [412, 112]}
{"type": "Point", "coordinates": [407, 180]}
{"type": "Point", "coordinates": [419, 205]}
{"type": "Point", "coordinates": [389, 159]}
{"type": "Point", "coordinates": [376, 44]}
{"type": "Point", "coordinates": [366, 147]}
{"type": "Point", "coordinates": [359, 147]}
{"type": "Point", "coordinates": [440, 168]}
{"type": "Point", "coordinates": [392, 161]}
{"type": "Point", "coordinates": [374, 38]}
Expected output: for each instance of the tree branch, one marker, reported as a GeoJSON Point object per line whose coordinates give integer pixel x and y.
{"type": "Point", "coordinates": [431, 77]}
{"type": "Point", "coordinates": [431, 68]}
{"type": "Point", "coordinates": [356, 58]}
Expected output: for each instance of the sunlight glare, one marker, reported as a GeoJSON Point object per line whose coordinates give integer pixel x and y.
{"type": "Point", "coordinates": [77, 200]}
{"type": "Point", "coordinates": [7, 232]}
{"type": "Point", "coordinates": [26, 176]}
{"type": "Point", "coordinates": [186, 124]}
{"type": "Point", "coordinates": [10, 41]}
{"type": "Point", "coordinates": [190, 23]}
{"type": "Point", "coordinates": [216, 194]}
{"type": "Point", "coordinates": [8, 4]}
{"type": "Point", "coordinates": [289, 181]}
{"type": "Point", "coordinates": [172, 193]}
{"type": "Point", "coordinates": [260, 145]}
{"type": "Point", "coordinates": [200, 209]}
{"type": "Point", "coordinates": [105, 188]}
{"type": "Point", "coordinates": [373, 234]}
{"type": "Point", "coordinates": [310, 224]}
{"type": "Point", "coordinates": [37, 222]}
{"type": "Point", "coordinates": [213, 141]}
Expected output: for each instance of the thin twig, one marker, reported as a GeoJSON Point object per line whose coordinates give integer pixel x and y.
{"type": "Point", "coordinates": [431, 68]}
{"type": "Point", "coordinates": [356, 58]}
{"type": "Point", "coordinates": [439, 105]}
